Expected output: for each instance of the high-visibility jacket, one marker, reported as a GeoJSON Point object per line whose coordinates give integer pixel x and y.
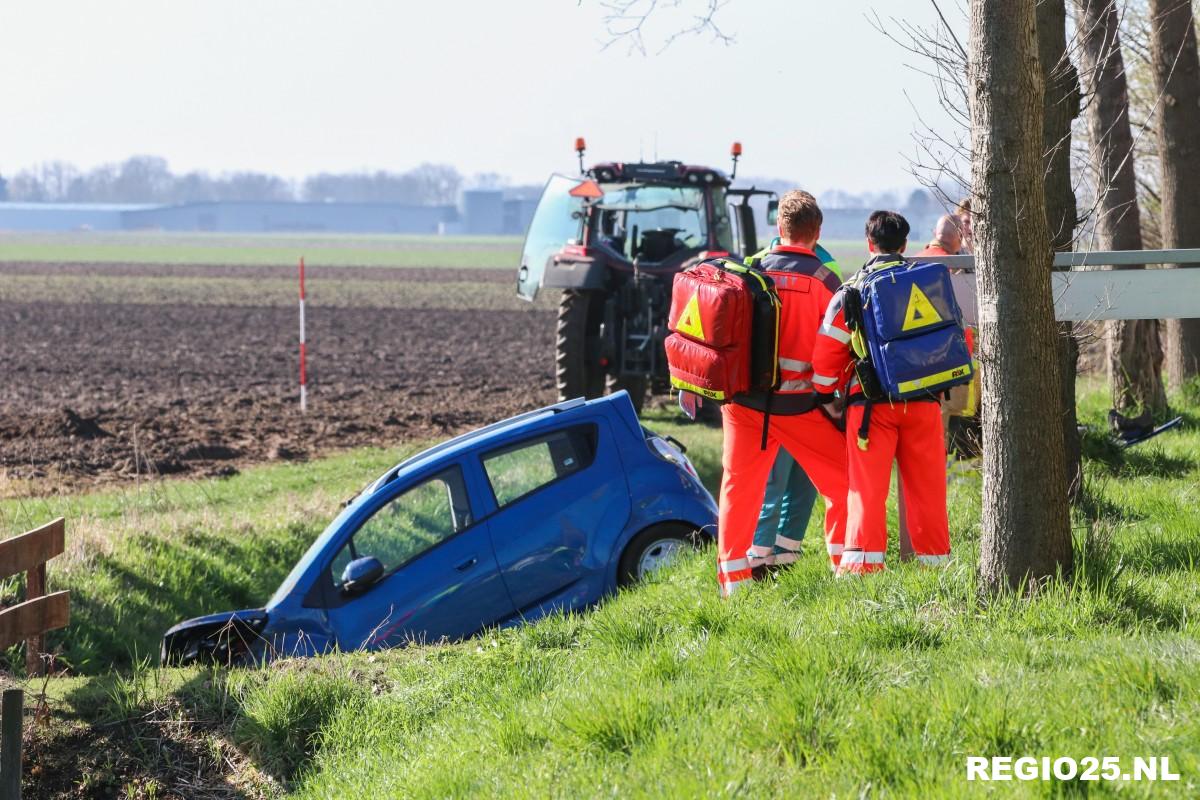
{"type": "Point", "coordinates": [805, 286]}
{"type": "Point", "coordinates": [934, 248]}
{"type": "Point", "coordinates": [833, 358]}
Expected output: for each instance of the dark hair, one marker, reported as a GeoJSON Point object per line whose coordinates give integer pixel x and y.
{"type": "Point", "coordinates": [888, 231]}
{"type": "Point", "coordinates": [799, 215]}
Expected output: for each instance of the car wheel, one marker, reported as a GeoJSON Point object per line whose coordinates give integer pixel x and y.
{"type": "Point", "coordinates": [653, 549]}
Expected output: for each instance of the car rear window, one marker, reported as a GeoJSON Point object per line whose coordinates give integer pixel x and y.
{"type": "Point", "coordinates": [518, 470]}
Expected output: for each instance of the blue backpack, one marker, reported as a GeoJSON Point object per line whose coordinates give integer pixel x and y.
{"type": "Point", "coordinates": [906, 331]}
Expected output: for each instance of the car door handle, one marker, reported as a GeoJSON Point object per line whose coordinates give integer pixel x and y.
{"type": "Point", "coordinates": [466, 565]}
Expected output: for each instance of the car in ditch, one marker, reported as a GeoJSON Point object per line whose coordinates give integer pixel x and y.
{"type": "Point", "coordinates": [548, 511]}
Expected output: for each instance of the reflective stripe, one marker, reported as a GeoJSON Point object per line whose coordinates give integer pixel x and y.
{"type": "Point", "coordinates": [834, 549]}
{"type": "Point", "coordinates": [795, 386]}
{"type": "Point", "coordinates": [795, 365]}
{"type": "Point", "coordinates": [852, 557]}
{"type": "Point", "coordinates": [679, 383]}
{"type": "Point", "coordinates": [785, 558]}
{"type": "Point", "coordinates": [736, 565]}
{"type": "Point", "coordinates": [790, 544]}
{"type": "Point", "coordinates": [729, 588]}
{"type": "Point", "coordinates": [931, 380]}
{"type": "Point", "coordinates": [834, 332]}
{"type": "Point", "coordinates": [758, 555]}
{"type": "Point", "coordinates": [933, 561]}
{"type": "Point", "coordinates": [823, 380]}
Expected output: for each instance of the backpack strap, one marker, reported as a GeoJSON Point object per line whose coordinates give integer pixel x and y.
{"type": "Point", "coordinates": [766, 419]}
{"type": "Point", "coordinates": [864, 426]}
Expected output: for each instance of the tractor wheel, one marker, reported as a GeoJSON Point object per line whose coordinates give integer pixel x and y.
{"type": "Point", "coordinates": [635, 386]}
{"type": "Point", "coordinates": [578, 320]}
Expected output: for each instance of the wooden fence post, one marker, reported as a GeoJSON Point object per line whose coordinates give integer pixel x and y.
{"type": "Point", "coordinates": [40, 612]}
{"type": "Point", "coordinates": [12, 712]}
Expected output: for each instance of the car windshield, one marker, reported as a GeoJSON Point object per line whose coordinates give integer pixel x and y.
{"type": "Point", "coordinates": [652, 221]}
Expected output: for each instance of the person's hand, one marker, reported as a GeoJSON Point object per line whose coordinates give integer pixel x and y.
{"type": "Point", "coordinates": [832, 408]}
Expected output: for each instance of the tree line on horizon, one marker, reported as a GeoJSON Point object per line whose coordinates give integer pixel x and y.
{"type": "Point", "coordinates": [149, 179]}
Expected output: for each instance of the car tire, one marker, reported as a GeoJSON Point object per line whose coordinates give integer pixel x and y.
{"type": "Point", "coordinates": [650, 546]}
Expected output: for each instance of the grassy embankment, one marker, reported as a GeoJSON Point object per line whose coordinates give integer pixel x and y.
{"type": "Point", "coordinates": [801, 686]}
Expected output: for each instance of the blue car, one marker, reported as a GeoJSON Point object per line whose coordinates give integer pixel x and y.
{"type": "Point", "coordinates": [550, 510]}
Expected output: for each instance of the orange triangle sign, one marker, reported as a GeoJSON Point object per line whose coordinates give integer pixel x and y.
{"type": "Point", "coordinates": [588, 189]}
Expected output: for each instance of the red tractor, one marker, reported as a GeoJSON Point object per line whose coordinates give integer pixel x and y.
{"type": "Point", "coordinates": [612, 240]}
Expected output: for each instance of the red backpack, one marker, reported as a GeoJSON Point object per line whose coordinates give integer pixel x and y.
{"type": "Point", "coordinates": [724, 324]}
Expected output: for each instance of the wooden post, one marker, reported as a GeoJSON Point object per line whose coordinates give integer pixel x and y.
{"type": "Point", "coordinates": [35, 586]}
{"type": "Point", "coordinates": [40, 612]}
{"type": "Point", "coordinates": [12, 711]}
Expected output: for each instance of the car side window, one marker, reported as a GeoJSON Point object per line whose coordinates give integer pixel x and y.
{"type": "Point", "coordinates": [519, 469]}
{"type": "Point", "coordinates": [410, 523]}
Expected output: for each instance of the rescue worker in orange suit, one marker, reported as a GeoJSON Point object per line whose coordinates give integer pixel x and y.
{"type": "Point", "coordinates": [909, 433]}
{"type": "Point", "coordinates": [787, 417]}
{"type": "Point", "coordinates": [947, 238]}
{"type": "Point", "coordinates": [962, 400]}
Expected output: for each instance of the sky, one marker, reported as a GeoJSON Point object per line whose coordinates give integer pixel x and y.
{"type": "Point", "coordinates": [293, 87]}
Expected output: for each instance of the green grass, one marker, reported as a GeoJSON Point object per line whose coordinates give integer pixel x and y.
{"type": "Point", "coordinates": [805, 686]}
{"type": "Point", "coordinates": [369, 250]}
{"type": "Point", "coordinates": [140, 559]}
{"type": "Point", "coordinates": [490, 252]}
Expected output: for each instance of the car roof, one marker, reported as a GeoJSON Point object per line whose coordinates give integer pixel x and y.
{"type": "Point", "coordinates": [495, 434]}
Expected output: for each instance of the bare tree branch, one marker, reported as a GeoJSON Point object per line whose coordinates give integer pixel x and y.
{"type": "Point", "coordinates": [625, 21]}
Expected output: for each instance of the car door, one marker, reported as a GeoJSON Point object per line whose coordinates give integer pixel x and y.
{"type": "Point", "coordinates": [556, 221]}
{"type": "Point", "coordinates": [561, 498]}
{"type": "Point", "coordinates": [440, 574]}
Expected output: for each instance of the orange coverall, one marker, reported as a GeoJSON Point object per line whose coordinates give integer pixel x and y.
{"type": "Point", "coordinates": [908, 432]}
{"type": "Point", "coordinates": [805, 287]}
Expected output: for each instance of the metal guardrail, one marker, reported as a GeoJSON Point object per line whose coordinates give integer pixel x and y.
{"type": "Point", "coordinates": [1084, 291]}
{"type": "Point", "coordinates": [1099, 258]}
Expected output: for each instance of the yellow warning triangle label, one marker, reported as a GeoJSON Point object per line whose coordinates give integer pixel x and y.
{"type": "Point", "coordinates": [689, 320]}
{"type": "Point", "coordinates": [920, 311]}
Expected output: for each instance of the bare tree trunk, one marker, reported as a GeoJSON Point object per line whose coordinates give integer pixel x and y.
{"type": "Point", "coordinates": [1177, 79]}
{"type": "Point", "coordinates": [1026, 526]}
{"type": "Point", "coordinates": [1060, 106]}
{"type": "Point", "coordinates": [1134, 354]}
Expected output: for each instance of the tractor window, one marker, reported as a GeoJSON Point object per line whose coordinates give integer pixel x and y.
{"type": "Point", "coordinates": [410, 524]}
{"type": "Point", "coordinates": [557, 221]}
{"type": "Point", "coordinates": [653, 222]}
{"type": "Point", "coordinates": [722, 222]}
{"type": "Point", "coordinates": [518, 470]}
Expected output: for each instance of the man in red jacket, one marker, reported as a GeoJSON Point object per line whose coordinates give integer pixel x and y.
{"type": "Point", "coordinates": [787, 417]}
{"type": "Point", "coordinates": [947, 238]}
{"type": "Point", "coordinates": [909, 432]}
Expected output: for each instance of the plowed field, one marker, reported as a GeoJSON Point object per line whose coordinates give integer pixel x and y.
{"type": "Point", "coordinates": [118, 371]}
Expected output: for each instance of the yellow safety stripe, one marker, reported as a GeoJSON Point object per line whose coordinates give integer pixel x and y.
{"type": "Point", "coordinates": [930, 380]}
{"type": "Point", "coordinates": [972, 393]}
{"type": "Point", "coordinates": [688, 387]}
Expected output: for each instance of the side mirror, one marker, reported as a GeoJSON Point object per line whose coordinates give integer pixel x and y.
{"type": "Point", "coordinates": [360, 574]}
{"type": "Point", "coordinates": [772, 212]}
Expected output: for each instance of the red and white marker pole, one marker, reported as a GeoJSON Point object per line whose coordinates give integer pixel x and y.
{"type": "Point", "coordinates": [303, 354]}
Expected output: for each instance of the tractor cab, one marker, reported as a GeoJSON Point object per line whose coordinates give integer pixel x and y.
{"type": "Point", "coordinates": [612, 238]}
